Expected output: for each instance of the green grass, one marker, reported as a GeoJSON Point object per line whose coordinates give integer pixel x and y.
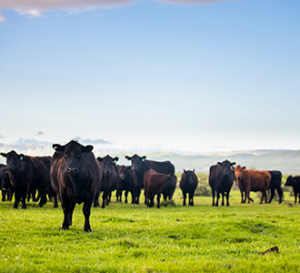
{"type": "Point", "coordinates": [134, 238]}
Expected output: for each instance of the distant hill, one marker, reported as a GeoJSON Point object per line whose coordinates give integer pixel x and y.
{"type": "Point", "coordinates": [287, 161]}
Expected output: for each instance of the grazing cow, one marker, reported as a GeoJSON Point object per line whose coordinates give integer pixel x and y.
{"type": "Point", "coordinates": [250, 180]}
{"type": "Point", "coordinates": [76, 177]}
{"type": "Point", "coordinates": [5, 183]}
{"type": "Point", "coordinates": [188, 185]}
{"type": "Point", "coordinates": [294, 181]}
{"type": "Point", "coordinates": [27, 173]}
{"type": "Point", "coordinates": [275, 183]}
{"type": "Point", "coordinates": [139, 165]}
{"type": "Point", "coordinates": [108, 181]}
{"type": "Point", "coordinates": [154, 183]}
{"type": "Point", "coordinates": [221, 179]}
{"type": "Point", "coordinates": [125, 183]}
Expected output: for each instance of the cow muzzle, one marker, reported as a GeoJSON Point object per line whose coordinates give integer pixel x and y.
{"type": "Point", "coordinates": [72, 171]}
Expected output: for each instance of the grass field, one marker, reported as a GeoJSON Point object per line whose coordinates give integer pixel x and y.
{"type": "Point", "coordinates": [134, 238]}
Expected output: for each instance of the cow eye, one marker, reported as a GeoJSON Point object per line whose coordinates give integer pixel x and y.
{"type": "Point", "coordinates": [79, 155]}
{"type": "Point", "coordinates": [66, 156]}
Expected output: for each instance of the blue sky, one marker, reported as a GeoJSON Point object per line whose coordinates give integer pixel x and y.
{"type": "Point", "coordinates": [224, 75]}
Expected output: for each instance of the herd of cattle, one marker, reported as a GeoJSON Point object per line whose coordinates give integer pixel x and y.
{"type": "Point", "coordinates": [75, 176]}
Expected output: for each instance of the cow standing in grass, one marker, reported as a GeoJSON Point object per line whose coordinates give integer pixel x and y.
{"type": "Point", "coordinates": [5, 183]}
{"type": "Point", "coordinates": [154, 184]}
{"type": "Point", "coordinates": [221, 179]}
{"type": "Point", "coordinates": [125, 183]}
{"type": "Point", "coordinates": [139, 165]}
{"type": "Point", "coordinates": [188, 185]}
{"type": "Point", "coordinates": [76, 177]}
{"type": "Point", "coordinates": [250, 180]}
{"type": "Point", "coordinates": [294, 181]}
{"type": "Point", "coordinates": [28, 172]}
{"type": "Point", "coordinates": [275, 184]}
{"type": "Point", "coordinates": [108, 180]}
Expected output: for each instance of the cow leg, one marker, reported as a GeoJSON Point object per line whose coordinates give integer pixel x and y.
{"type": "Point", "coordinates": [145, 194]}
{"type": "Point", "coordinates": [272, 194]}
{"type": "Point", "coordinates": [17, 199]}
{"type": "Point", "coordinates": [280, 194]}
{"type": "Point", "coordinates": [108, 197]}
{"type": "Point", "coordinates": [213, 197]}
{"type": "Point", "coordinates": [191, 199]}
{"type": "Point", "coordinates": [242, 199]}
{"type": "Point", "coordinates": [132, 197]}
{"type": "Point", "coordinates": [138, 192]}
{"type": "Point", "coordinates": [227, 198]}
{"type": "Point", "coordinates": [158, 200]}
{"type": "Point", "coordinates": [223, 198]}
{"type": "Point", "coordinates": [96, 200]}
{"type": "Point", "coordinates": [55, 205]}
{"type": "Point", "coordinates": [43, 197]}
{"type": "Point", "coordinates": [218, 197]}
{"type": "Point", "coordinates": [3, 195]}
{"type": "Point", "coordinates": [72, 206]}
{"type": "Point", "coordinates": [23, 200]}
{"type": "Point", "coordinates": [184, 197]}
{"type": "Point", "coordinates": [262, 196]}
{"type": "Point", "coordinates": [66, 206]}
{"type": "Point", "coordinates": [87, 211]}
{"type": "Point", "coordinates": [151, 200]}
{"type": "Point", "coordinates": [299, 198]}
{"type": "Point", "coordinates": [104, 197]}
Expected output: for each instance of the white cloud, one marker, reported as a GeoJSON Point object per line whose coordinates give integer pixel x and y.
{"type": "Point", "coordinates": [2, 18]}
{"type": "Point", "coordinates": [31, 13]}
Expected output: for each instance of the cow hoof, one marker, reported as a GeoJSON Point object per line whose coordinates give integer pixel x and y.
{"type": "Point", "coordinates": [88, 231]}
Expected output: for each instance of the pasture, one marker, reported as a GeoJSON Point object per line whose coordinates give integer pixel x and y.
{"type": "Point", "coordinates": [135, 238]}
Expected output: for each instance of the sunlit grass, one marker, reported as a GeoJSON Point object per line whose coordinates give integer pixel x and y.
{"type": "Point", "coordinates": [135, 238]}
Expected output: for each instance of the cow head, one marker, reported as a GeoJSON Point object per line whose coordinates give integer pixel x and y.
{"type": "Point", "coordinates": [13, 161]}
{"type": "Point", "coordinates": [73, 153]}
{"type": "Point", "coordinates": [189, 176]}
{"type": "Point", "coordinates": [136, 162]}
{"type": "Point", "coordinates": [108, 163]}
{"type": "Point", "coordinates": [289, 181]}
{"type": "Point", "coordinates": [122, 172]}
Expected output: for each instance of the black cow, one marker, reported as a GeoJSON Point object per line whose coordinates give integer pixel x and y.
{"type": "Point", "coordinates": [5, 183]}
{"type": "Point", "coordinates": [75, 177]}
{"type": "Point", "coordinates": [139, 165]}
{"type": "Point", "coordinates": [108, 181]}
{"type": "Point", "coordinates": [27, 173]}
{"type": "Point", "coordinates": [125, 183]}
{"type": "Point", "coordinates": [275, 183]}
{"type": "Point", "coordinates": [295, 183]}
{"type": "Point", "coordinates": [221, 178]}
{"type": "Point", "coordinates": [188, 185]}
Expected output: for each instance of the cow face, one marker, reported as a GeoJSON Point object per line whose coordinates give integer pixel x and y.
{"type": "Point", "coordinates": [73, 153]}
{"type": "Point", "coordinates": [136, 162]}
{"type": "Point", "coordinates": [189, 176]}
{"type": "Point", "coordinates": [289, 181]}
{"type": "Point", "coordinates": [122, 172]}
{"type": "Point", "coordinates": [108, 163]}
{"type": "Point", "coordinates": [13, 161]}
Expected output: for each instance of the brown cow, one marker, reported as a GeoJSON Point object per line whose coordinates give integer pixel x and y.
{"type": "Point", "coordinates": [154, 184]}
{"type": "Point", "coordinates": [250, 180]}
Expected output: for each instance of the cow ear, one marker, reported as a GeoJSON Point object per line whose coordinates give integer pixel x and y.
{"type": "Point", "coordinates": [4, 155]}
{"type": "Point", "coordinates": [58, 148]}
{"type": "Point", "coordinates": [143, 158]}
{"type": "Point", "coordinates": [184, 170]}
{"type": "Point", "coordinates": [193, 170]}
{"type": "Point", "coordinates": [21, 156]}
{"type": "Point", "coordinates": [219, 163]}
{"type": "Point", "coordinates": [100, 159]}
{"type": "Point", "coordinates": [233, 163]}
{"type": "Point", "coordinates": [127, 157]}
{"type": "Point", "coordinates": [244, 168]}
{"type": "Point", "coordinates": [87, 149]}
{"type": "Point", "coordinates": [115, 159]}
